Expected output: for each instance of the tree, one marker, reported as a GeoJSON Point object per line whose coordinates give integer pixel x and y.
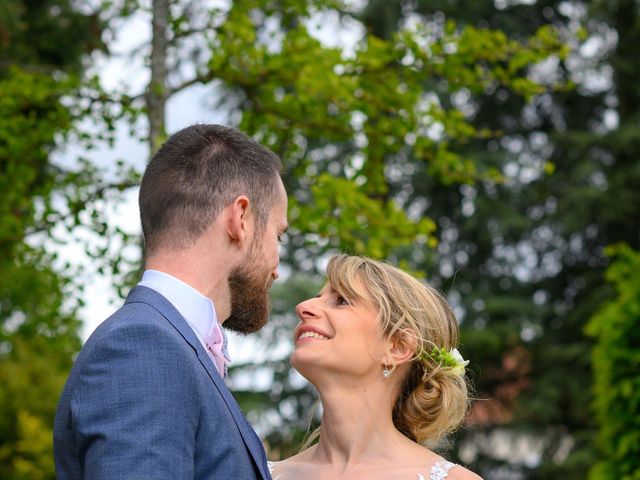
{"type": "Point", "coordinates": [42, 44]}
{"type": "Point", "coordinates": [615, 365]}
{"type": "Point", "coordinates": [367, 106]}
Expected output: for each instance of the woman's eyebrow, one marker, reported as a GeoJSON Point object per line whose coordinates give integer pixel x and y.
{"type": "Point", "coordinates": [322, 290]}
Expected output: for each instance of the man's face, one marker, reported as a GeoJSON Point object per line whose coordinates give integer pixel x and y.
{"type": "Point", "coordinates": [249, 282]}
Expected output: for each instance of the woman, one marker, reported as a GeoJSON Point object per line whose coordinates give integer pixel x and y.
{"type": "Point", "coordinates": [379, 347]}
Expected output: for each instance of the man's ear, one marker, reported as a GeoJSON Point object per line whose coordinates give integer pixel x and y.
{"type": "Point", "coordinates": [403, 346]}
{"type": "Point", "coordinates": [238, 225]}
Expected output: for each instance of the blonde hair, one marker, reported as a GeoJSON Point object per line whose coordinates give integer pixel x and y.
{"type": "Point", "coordinates": [433, 400]}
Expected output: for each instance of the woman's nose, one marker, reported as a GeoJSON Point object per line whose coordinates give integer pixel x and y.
{"type": "Point", "coordinates": [306, 309]}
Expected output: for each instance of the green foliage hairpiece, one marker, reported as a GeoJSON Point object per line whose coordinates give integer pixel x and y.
{"type": "Point", "coordinates": [451, 360]}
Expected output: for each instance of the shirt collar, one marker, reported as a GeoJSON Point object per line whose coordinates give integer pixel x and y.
{"type": "Point", "coordinates": [197, 309]}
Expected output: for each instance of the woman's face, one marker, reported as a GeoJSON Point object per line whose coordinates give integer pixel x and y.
{"type": "Point", "coordinates": [338, 335]}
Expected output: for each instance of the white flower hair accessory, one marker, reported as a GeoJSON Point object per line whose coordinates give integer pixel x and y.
{"type": "Point", "coordinates": [451, 360]}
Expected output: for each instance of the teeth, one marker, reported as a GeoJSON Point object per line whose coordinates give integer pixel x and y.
{"type": "Point", "coordinates": [312, 335]}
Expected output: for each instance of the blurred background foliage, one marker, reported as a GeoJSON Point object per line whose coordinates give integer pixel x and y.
{"type": "Point", "coordinates": [42, 44]}
{"type": "Point", "coordinates": [490, 147]}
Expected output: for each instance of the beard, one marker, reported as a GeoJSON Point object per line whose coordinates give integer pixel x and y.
{"type": "Point", "coordinates": [250, 302]}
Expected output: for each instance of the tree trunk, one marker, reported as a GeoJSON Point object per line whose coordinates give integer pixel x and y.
{"type": "Point", "coordinates": [157, 93]}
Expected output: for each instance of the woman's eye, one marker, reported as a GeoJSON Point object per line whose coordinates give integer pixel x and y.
{"type": "Point", "coordinates": [340, 300]}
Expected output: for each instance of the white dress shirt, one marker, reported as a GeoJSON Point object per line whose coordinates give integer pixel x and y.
{"type": "Point", "coordinates": [197, 310]}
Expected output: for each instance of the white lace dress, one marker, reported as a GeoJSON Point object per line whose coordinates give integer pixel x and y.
{"type": "Point", "coordinates": [439, 471]}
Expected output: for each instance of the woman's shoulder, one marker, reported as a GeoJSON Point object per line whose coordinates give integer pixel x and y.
{"type": "Point", "coordinates": [451, 471]}
{"type": "Point", "coordinates": [434, 467]}
{"type": "Point", "coordinates": [277, 469]}
{"type": "Point", "coordinates": [272, 466]}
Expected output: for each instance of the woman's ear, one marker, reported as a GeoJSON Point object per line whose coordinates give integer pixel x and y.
{"type": "Point", "coordinates": [403, 347]}
{"type": "Point", "coordinates": [238, 219]}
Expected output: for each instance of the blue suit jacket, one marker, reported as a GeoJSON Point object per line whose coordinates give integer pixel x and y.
{"type": "Point", "coordinates": [144, 401]}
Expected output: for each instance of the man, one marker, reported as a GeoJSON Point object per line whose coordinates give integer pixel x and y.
{"type": "Point", "coordinates": [146, 397]}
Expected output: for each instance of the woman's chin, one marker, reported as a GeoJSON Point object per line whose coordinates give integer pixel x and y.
{"type": "Point", "coordinates": [305, 364]}
{"type": "Point", "coordinates": [299, 360]}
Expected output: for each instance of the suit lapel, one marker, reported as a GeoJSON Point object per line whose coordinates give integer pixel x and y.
{"type": "Point", "coordinates": [162, 305]}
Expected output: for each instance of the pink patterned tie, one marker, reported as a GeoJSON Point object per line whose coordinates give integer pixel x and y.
{"type": "Point", "coordinates": [217, 347]}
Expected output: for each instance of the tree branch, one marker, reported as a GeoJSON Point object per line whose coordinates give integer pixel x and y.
{"type": "Point", "coordinates": [205, 78]}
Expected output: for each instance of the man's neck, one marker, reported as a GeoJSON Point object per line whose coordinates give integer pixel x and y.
{"type": "Point", "coordinates": [209, 278]}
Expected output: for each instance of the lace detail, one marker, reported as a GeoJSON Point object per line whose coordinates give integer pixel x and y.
{"type": "Point", "coordinates": [439, 471]}
{"type": "Point", "coordinates": [270, 465]}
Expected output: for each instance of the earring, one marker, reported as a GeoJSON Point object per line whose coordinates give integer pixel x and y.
{"type": "Point", "coordinates": [386, 372]}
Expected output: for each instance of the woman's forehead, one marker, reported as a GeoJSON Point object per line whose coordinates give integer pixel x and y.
{"type": "Point", "coordinates": [354, 288]}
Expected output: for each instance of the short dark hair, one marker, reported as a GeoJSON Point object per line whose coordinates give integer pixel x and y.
{"type": "Point", "coordinates": [198, 172]}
